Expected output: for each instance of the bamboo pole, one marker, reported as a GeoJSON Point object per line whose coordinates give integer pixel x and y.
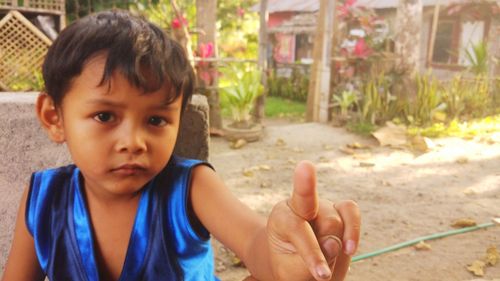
{"type": "Point", "coordinates": [319, 84]}
{"type": "Point", "coordinates": [432, 41]}
{"type": "Point", "coordinates": [262, 61]}
{"type": "Point", "coordinates": [186, 38]}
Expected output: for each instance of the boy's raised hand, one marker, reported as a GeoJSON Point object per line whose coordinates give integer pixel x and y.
{"type": "Point", "coordinates": [312, 237]}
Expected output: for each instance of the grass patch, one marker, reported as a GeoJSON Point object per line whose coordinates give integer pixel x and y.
{"type": "Point", "coordinates": [276, 107]}
{"type": "Point", "coordinates": [361, 128]}
{"type": "Point", "coordinates": [467, 129]}
{"type": "Point", "coordinates": [280, 107]}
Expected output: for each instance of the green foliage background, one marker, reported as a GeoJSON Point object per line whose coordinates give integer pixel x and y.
{"type": "Point", "coordinates": [237, 32]}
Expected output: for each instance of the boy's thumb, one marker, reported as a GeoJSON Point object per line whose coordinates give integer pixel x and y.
{"type": "Point", "coordinates": [304, 201]}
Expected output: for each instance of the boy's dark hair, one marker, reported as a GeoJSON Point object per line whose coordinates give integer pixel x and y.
{"type": "Point", "coordinates": [140, 50]}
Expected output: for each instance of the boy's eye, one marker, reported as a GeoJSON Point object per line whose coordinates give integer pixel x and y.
{"type": "Point", "coordinates": [157, 121]}
{"type": "Point", "coordinates": [104, 117]}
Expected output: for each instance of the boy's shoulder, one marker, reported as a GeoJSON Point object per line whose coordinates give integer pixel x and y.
{"type": "Point", "coordinates": [180, 166]}
{"type": "Point", "coordinates": [48, 191]}
{"type": "Point", "coordinates": [58, 170]}
{"type": "Point", "coordinates": [178, 161]}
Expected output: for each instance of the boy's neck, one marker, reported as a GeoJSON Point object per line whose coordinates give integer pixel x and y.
{"type": "Point", "coordinates": [99, 197]}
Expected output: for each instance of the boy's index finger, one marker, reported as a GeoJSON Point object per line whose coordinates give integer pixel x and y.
{"type": "Point", "coordinates": [304, 201]}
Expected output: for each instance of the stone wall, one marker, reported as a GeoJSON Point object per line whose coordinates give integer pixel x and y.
{"type": "Point", "coordinates": [24, 148]}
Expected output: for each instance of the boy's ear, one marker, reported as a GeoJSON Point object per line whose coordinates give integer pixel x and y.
{"type": "Point", "coordinates": [50, 117]}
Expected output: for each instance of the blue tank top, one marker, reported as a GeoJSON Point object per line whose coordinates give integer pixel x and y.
{"type": "Point", "coordinates": [162, 246]}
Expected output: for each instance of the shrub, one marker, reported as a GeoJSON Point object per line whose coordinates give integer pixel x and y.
{"type": "Point", "coordinates": [428, 100]}
{"type": "Point", "coordinates": [295, 87]}
{"type": "Point", "coordinates": [467, 97]}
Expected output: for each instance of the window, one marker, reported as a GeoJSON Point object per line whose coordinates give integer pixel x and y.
{"type": "Point", "coordinates": [472, 34]}
{"type": "Point", "coordinates": [453, 38]}
{"type": "Point", "coordinates": [445, 43]}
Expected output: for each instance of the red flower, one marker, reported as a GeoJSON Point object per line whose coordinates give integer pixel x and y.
{"type": "Point", "coordinates": [350, 3]}
{"type": "Point", "coordinates": [205, 69]}
{"type": "Point", "coordinates": [176, 23]}
{"type": "Point", "coordinates": [240, 12]}
{"type": "Point", "coordinates": [206, 50]}
{"type": "Point", "coordinates": [345, 8]}
{"type": "Point", "coordinates": [361, 49]}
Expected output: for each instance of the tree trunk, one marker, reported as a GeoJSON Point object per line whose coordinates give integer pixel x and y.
{"type": "Point", "coordinates": [77, 9]}
{"type": "Point", "coordinates": [409, 24]}
{"type": "Point", "coordinates": [259, 112]}
{"type": "Point", "coordinates": [206, 18]}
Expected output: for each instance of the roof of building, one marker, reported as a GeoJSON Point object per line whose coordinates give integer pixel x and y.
{"type": "Point", "coordinates": [274, 6]}
{"type": "Point", "coordinates": [385, 4]}
{"type": "Point", "coordinates": [299, 23]}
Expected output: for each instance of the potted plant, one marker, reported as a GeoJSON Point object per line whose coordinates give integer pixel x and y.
{"type": "Point", "coordinates": [345, 102]}
{"type": "Point", "coordinates": [239, 88]}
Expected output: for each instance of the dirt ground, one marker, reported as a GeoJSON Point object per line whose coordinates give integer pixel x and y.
{"type": "Point", "coordinates": [402, 195]}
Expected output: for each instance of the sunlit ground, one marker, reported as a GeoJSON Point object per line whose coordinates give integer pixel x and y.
{"type": "Point", "coordinates": [466, 129]}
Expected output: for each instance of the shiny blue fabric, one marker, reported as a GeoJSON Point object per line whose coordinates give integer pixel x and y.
{"type": "Point", "coordinates": [162, 246]}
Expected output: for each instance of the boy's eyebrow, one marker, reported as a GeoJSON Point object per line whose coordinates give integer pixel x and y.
{"type": "Point", "coordinates": [166, 105]}
{"type": "Point", "coordinates": [105, 103]}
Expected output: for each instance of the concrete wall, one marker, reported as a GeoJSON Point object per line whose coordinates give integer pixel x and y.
{"type": "Point", "coordinates": [24, 148]}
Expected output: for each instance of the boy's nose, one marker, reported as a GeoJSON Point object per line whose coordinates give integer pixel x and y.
{"type": "Point", "coordinates": [132, 140]}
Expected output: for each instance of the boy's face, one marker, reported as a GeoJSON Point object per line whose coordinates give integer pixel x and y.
{"type": "Point", "coordinates": [119, 137]}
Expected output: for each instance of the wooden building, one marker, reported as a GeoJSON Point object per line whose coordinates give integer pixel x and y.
{"type": "Point", "coordinates": [27, 29]}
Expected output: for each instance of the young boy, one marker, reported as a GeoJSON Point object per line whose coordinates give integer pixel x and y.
{"type": "Point", "coordinates": [128, 209]}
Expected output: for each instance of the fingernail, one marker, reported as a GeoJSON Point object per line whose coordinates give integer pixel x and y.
{"type": "Point", "coordinates": [350, 247]}
{"type": "Point", "coordinates": [331, 248]}
{"type": "Point", "coordinates": [323, 271]}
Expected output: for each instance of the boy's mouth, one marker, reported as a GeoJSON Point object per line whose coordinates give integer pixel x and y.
{"type": "Point", "coordinates": [129, 169]}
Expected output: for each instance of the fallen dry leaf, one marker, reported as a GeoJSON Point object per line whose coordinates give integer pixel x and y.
{"type": "Point", "coordinates": [422, 144]}
{"type": "Point", "coordinates": [356, 145]}
{"type": "Point", "coordinates": [238, 144]}
{"type": "Point", "coordinates": [422, 246]}
{"type": "Point", "coordinates": [237, 262]}
{"type": "Point", "coordinates": [366, 164]}
{"type": "Point", "coordinates": [462, 160]}
{"type": "Point", "coordinates": [327, 147]}
{"type": "Point", "coordinates": [391, 135]}
{"type": "Point", "coordinates": [347, 150]}
{"type": "Point", "coordinates": [265, 184]}
{"type": "Point", "coordinates": [298, 149]}
{"type": "Point", "coordinates": [264, 167]}
{"type": "Point", "coordinates": [469, 191]}
{"type": "Point", "coordinates": [220, 268]}
{"type": "Point", "coordinates": [292, 161]}
{"type": "Point", "coordinates": [248, 173]}
{"type": "Point", "coordinates": [385, 183]}
{"type": "Point", "coordinates": [323, 159]}
{"type": "Point", "coordinates": [477, 267]}
{"type": "Point", "coordinates": [492, 256]}
{"type": "Point", "coordinates": [280, 142]}
{"type": "Point", "coordinates": [464, 222]}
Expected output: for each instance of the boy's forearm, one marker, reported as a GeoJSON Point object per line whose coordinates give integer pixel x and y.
{"type": "Point", "coordinates": [257, 258]}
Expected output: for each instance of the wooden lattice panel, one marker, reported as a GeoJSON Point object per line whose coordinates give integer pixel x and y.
{"type": "Point", "coordinates": [50, 5]}
{"type": "Point", "coordinates": [22, 49]}
{"type": "Point", "coordinates": [8, 3]}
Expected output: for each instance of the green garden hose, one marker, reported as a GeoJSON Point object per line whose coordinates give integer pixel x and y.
{"type": "Point", "coordinates": [420, 239]}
